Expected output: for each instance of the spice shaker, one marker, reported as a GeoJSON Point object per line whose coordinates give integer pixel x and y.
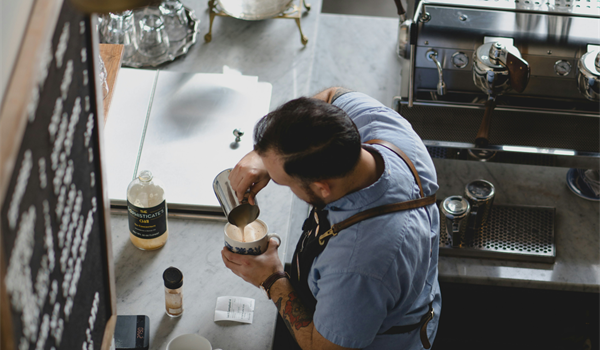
{"type": "Point", "coordinates": [147, 212]}
{"type": "Point", "coordinates": [173, 279]}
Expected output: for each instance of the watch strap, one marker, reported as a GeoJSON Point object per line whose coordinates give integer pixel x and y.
{"type": "Point", "coordinates": [268, 283]}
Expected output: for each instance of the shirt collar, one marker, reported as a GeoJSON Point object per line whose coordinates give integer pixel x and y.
{"type": "Point", "coordinates": [368, 195]}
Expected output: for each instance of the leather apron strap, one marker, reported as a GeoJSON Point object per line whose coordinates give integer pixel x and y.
{"type": "Point", "coordinates": [404, 157]}
{"type": "Point", "coordinates": [387, 208]}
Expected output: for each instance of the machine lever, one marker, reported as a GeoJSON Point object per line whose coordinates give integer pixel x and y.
{"type": "Point", "coordinates": [401, 11]}
{"type": "Point", "coordinates": [518, 69]}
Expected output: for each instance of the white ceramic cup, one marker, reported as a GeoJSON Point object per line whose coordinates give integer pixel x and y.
{"type": "Point", "coordinates": [254, 247]}
{"type": "Point", "coordinates": [189, 342]}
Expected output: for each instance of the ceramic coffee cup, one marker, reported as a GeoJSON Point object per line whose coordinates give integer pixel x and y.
{"type": "Point", "coordinates": [189, 342]}
{"type": "Point", "coordinates": [254, 241]}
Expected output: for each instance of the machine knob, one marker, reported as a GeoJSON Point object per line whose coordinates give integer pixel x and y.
{"type": "Point", "coordinates": [496, 52]}
{"type": "Point", "coordinates": [238, 135]}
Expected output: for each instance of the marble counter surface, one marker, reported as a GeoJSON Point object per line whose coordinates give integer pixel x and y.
{"type": "Point", "coordinates": [270, 49]}
{"type": "Point", "coordinates": [194, 246]}
{"type": "Point", "coordinates": [577, 265]}
{"type": "Point", "coordinates": [357, 52]}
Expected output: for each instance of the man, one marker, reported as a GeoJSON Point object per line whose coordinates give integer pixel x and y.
{"type": "Point", "coordinates": [371, 281]}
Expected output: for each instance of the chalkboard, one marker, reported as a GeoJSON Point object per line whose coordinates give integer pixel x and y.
{"type": "Point", "coordinates": [57, 273]}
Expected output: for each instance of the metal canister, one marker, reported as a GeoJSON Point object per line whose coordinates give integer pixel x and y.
{"type": "Point", "coordinates": [456, 211]}
{"type": "Point", "coordinates": [480, 194]}
{"type": "Point", "coordinates": [239, 213]}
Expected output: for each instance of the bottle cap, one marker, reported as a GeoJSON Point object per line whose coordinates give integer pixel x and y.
{"type": "Point", "coordinates": [173, 278]}
{"type": "Point", "coordinates": [145, 175]}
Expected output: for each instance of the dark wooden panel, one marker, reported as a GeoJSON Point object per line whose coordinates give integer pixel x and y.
{"type": "Point", "coordinates": [56, 254]}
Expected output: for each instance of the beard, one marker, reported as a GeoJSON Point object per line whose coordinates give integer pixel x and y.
{"type": "Point", "coordinates": [313, 199]}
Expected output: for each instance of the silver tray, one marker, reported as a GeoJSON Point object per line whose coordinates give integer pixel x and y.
{"type": "Point", "coordinates": [177, 48]}
{"type": "Point", "coordinates": [254, 10]}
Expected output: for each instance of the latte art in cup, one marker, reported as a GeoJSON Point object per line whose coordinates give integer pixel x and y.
{"type": "Point", "coordinates": [254, 241]}
{"type": "Point", "coordinates": [250, 233]}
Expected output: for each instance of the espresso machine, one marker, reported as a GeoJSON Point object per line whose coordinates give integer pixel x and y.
{"type": "Point", "coordinates": [509, 81]}
{"type": "Point", "coordinates": [514, 81]}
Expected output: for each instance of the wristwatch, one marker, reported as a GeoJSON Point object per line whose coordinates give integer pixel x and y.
{"type": "Point", "coordinates": [268, 283]}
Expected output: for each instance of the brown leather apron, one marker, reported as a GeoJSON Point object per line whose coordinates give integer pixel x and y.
{"type": "Point", "coordinates": [317, 232]}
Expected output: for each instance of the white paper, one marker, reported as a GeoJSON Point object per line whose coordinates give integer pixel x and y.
{"type": "Point", "coordinates": [238, 309]}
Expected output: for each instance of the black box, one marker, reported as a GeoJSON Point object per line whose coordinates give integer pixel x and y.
{"type": "Point", "coordinates": [132, 332]}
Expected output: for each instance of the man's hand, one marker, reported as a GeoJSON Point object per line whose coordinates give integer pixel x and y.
{"type": "Point", "coordinates": [254, 269]}
{"type": "Point", "coordinates": [249, 173]}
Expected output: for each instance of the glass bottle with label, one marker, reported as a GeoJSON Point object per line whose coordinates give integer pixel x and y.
{"type": "Point", "coordinates": [147, 211]}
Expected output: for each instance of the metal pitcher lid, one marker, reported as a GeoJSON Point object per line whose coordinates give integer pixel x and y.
{"type": "Point", "coordinates": [455, 206]}
{"type": "Point", "coordinates": [480, 189]}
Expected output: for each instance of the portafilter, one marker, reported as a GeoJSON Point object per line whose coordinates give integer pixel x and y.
{"type": "Point", "coordinates": [588, 79]}
{"type": "Point", "coordinates": [496, 69]}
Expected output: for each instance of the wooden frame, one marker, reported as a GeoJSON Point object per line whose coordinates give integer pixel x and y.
{"type": "Point", "coordinates": [110, 326]}
{"type": "Point", "coordinates": [13, 121]}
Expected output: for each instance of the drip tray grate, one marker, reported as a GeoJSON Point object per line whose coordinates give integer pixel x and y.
{"type": "Point", "coordinates": [524, 233]}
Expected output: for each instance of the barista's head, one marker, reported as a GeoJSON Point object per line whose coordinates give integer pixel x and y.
{"type": "Point", "coordinates": [306, 142]}
{"type": "Point", "coordinates": [316, 140]}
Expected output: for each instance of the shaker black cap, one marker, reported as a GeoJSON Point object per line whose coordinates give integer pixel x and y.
{"type": "Point", "coordinates": [173, 278]}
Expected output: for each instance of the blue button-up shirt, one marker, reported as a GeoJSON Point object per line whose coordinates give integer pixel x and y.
{"type": "Point", "coordinates": [381, 272]}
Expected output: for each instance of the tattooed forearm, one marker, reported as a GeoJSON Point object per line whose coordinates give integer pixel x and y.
{"type": "Point", "coordinates": [339, 92]}
{"type": "Point", "coordinates": [285, 320]}
{"type": "Point", "coordinates": [294, 313]}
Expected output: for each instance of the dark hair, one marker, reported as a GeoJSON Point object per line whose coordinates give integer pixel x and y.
{"type": "Point", "coordinates": [317, 140]}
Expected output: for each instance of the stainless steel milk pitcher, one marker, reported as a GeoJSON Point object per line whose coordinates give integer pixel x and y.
{"type": "Point", "coordinates": [480, 194]}
{"type": "Point", "coordinates": [238, 213]}
{"type": "Point", "coordinates": [455, 211]}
